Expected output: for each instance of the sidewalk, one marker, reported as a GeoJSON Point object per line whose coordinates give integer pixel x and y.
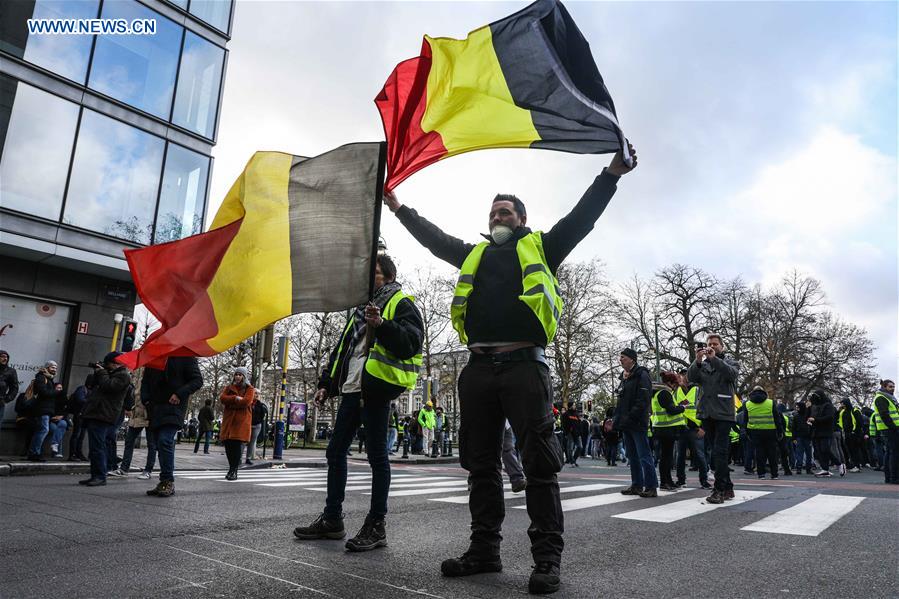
{"type": "Point", "coordinates": [186, 459]}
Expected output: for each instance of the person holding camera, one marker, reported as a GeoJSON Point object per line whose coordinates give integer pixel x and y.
{"type": "Point", "coordinates": [716, 374]}
{"type": "Point", "coordinates": [104, 405]}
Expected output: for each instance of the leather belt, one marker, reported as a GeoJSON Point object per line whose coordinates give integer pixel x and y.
{"type": "Point", "coordinates": [525, 354]}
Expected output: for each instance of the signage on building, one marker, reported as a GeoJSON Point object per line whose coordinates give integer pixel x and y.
{"type": "Point", "coordinates": [119, 294]}
{"type": "Point", "coordinates": [82, 327]}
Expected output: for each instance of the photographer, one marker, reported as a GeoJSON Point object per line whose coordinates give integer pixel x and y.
{"type": "Point", "coordinates": [100, 413]}
{"type": "Point", "coordinates": [716, 374]}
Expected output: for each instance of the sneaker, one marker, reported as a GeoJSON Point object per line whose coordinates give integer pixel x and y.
{"type": "Point", "coordinates": [667, 487]}
{"type": "Point", "coordinates": [680, 483]}
{"type": "Point", "coordinates": [762, 477]}
{"type": "Point", "coordinates": [715, 498]}
{"type": "Point", "coordinates": [85, 481]}
{"type": "Point", "coordinates": [321, 529]}
{"type": "Point", "coordinates": [519, 485]}
{"type": "Point", "coordinates": [648, 493]}
{"type": "Point", "coordinates": [371, 536]}
{"type": "Point", "coordinates": [705, 484]}
{"type": "Point", "coordinates": [54, 449]}
{"type": "Point", "coordinates": [95, 482]}
{"type": "Point", "coordinates": [842, 469]}
{"type": "Point", "coordinates": [167, 490]}
{"type": "Point", "coordinates": [775, 477]}
{"type": "Point", "coordinates": [144, 475]}
{"type": "Point", "coordinates": [855, 469]}
{"type": "Point", "coordinates": [748, 472]}
{"type": "Point", "coordinates": [728, 494]}
{"type": "Point", "coordinates": [544, 579]}
{"type": "Point", "coordinates": [631, 491]}
{"type": "Point", "coordinates": [823, 473]}
{"type": "Point", "coordinates": [114, 473]}
{"type": "Point", "coordinates": [468, 564]}
{"type": "Point", "coordinates": [120, 472]}
{"type": "Point", "coordinates": [248, 462]}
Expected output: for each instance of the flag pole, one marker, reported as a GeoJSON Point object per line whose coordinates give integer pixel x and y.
{"type": "Point", "coordinates": [376, 224]}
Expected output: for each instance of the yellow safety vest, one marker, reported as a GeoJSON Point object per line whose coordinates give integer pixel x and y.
{"type": "Point", "coordinates": [787, 432]}
{"type": "Point", "coordinates": [851, 415]}
{"type": "Point", "coordinates": [689, 410]}
{"type": "Point", "coordinates": [540, 287]}
{"type": "Point", "coordinates": [661, 418]}
{"type": "Point", "coordinates": [892, 410]}
{"type": "Point", "coordinates": [760, 415]}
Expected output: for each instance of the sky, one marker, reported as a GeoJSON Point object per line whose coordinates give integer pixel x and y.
{"type": "Point", "coordinates": [766, 134]}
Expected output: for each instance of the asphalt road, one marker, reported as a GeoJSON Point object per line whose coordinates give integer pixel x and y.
{"type": "Point", "coordinates": [796, 537]}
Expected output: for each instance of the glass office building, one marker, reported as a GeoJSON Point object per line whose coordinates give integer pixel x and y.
{"type": "Point", "coordinates": [105, 145]}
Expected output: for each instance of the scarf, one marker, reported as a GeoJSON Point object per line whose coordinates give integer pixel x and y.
{"type": "Point", "coordinates": [358, 329]}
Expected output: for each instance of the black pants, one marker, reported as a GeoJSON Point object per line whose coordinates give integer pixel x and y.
{"type": "Point", "coordinates": [718, 435]}
{"type": "Point", "coordinates": [786, 452]}
{"type": "Point", "coordinates": [667, 436]}
{"type": "Point", "coordinates": [232, 450]}
{"type": "Point", "coordinates": [822, 451]}
{"type": "Point", "coordinates": [76, 440]}
{"type": "Point", "coordinates": [522, 392]}
{"type": "Point", "coordinates": [890, 438]}
{"type": "Point", "coordinates": [765, 443]}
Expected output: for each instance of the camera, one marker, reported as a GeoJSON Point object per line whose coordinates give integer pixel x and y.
{"type": "Point", "coordinates": [700, 345]}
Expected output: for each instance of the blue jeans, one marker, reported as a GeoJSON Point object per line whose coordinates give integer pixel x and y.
{"type": "Point", "coordinates": [208, 436]}
{"type": "Point", "coordinates": [130, 437]}
{"type": "Point", "coordinates": [97, 433]}
{"type": "Point", "coordinates": [58, 431]}
{"type": "Point", "coordinates": [689, 439]}
{"type": "Point", "coordinates": [41, 428]}
{"type": "Point", "coordinates": [373, 416]}
{"type": "Point", "coordinates": [391, 439]}
{"type": "Point", "coordinates": [803, 449]}
{"type": "Point", "coordinates": [575, 449]}
{"type": "Point", "coordinates": [639, 457]}
{"type": "Point", "coordinates": [76, 441]}
{"type": "Point", "coordinates": [164, 440]}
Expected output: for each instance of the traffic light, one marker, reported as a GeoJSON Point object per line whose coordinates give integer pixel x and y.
{"type": "Point", "coordinates": [129, 334]}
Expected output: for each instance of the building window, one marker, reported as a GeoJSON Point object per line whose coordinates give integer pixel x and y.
{"type": "Point", "coordinates": [65, 55]}
{"type": "Point", "coordinates": [115, 177]}
{"type": "Point", "coordinates": [37, 130]}
{"type": "Point", "coordinates": [179, 3]}
{"type": "Point", "coordinates": [215, 12]}
{"type": "Point", "coordinates": [137, 69]}
{"type": "Point", "coordinates": [181, 205]}
{"type": "Point", "coordinates": [198, 86]}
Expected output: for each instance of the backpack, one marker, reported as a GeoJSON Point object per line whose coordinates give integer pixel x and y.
{"type": "Point", "coordinates": [607, 426]}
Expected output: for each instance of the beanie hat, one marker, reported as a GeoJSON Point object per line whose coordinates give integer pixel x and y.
{"type": "Point", "coordinates": [243, 371]}
{"type": "Point", "coordinates": [430, 404]}
{"type": "Point", "coordinates": [51, 363]}
{"type": "Point", "coordinates": [3, 352]}
{"type": "Point", "coordinates": [630, 353]}
{"type": "Point", "coordinates": [111, 356]}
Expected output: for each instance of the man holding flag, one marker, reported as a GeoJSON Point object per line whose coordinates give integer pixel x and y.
{"type": "Point", "coordinates": [506, 308]}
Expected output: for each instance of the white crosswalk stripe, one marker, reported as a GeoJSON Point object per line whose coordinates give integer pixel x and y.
{"type": "Point", "coordinates": [809, 518]}
{"type": "Point", "coordinates": [672, 512]}
{"type": "Point", "coordinates": [580, 503]}
{"type": "Point", "coordinates": [521, 495]}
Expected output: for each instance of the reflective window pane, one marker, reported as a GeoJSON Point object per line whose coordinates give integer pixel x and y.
{"type": "Point", "coordinates": [183, 191]}
{"type": "Point", "coordinates": [115, 177]}
{"type": "Point", "coordinates": [198, 85]}
{"type": "Point", "coordinates": [215, 12]}
{"type": "Point", "coordinates": [137, 69]}
{"type": "Point", "coordinates": [37, 130]}
{"type": "Point", "coordinates": [180, 3]}
{"type": "Point", "coordinates": [65, 55]}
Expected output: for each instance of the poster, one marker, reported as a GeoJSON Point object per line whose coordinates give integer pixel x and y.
{"type": "Point", "coordinates": [296, 416]}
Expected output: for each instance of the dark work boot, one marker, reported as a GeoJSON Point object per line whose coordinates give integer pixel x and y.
{"type": "Point", "coordinates": [544, 579]}
{"type": "Point", "coordinates": [321, 529]}
{"type": "Point", "coordinates": [469, 564]}
{"type": "Point", "coordinates": [371, 536]}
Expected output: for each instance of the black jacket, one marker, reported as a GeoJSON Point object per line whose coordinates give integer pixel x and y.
{"type": "Point", "coordinates": [824, 414]}
{"type": "Point", "coordinates": [801, 429]}
{"type": "Point", "coordinates": [205, 418]}
{"type": "Point", "coordinates": [494, 312]}
{"type": "Point", "coordinates": [45, 394]}
{"type": "Point", "coordinates": [402, 336]}
{"type": "Point", "coordinates": [108, 395]}
{"type": "Point", "coordinates": [181, 377]}
{"type": "Point", "coordinates": [9, 385]}
{"type": "Point", "coordinates": [717, 378]}
{"type": "Point", "coordinates": [260, 412]}
{"type": "Point", "coordinates": [634, 397]}
{"type": "Point", "coordinates": [882, 407]}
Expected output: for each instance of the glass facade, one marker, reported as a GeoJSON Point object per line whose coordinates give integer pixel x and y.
{"type": "Point", "coordinates": [41, 128]}
{"type": "Point", "coordinates": [67, 163]}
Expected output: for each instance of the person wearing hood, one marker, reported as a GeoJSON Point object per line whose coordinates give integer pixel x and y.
{"type": "Point", "coordinates": [377, 359]}
{"type": "Point", "coordinates": [237, 420]}
{"type": "Point", "coordinates": [716, 374]}
{"type": "Point", "coordinates": [802, 435]}
{"type": "Point", "coordinates": [765, 426]}
{"type": "Point", "coordinates": [506, 308]}
{"type": "Point", "coordinates": [47, 394]}
{"type": "Point", "coordinates": [668, 424]}
{"type": "Point", "coordinates": [111, 383]}
{"type": "Point", "coordinates": [887, 410]}
{"type": "Point", "coordinates": [850, 423]}
{"type": "Point", "coordinates": [632, 420]}
{"type": "Point", "coordinates": [787, 459]}
{"type": "Point", "coordinates": [821, 420]}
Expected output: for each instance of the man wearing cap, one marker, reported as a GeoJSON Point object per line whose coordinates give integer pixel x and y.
{"type": "Point", "coordinates": [100, 413]}
{"type": "Point", "coordinates": [506, 308]}
{"type": "Point", "coordinates": [632, 420]}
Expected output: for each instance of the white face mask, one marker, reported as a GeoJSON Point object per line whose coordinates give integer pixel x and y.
{"type": "Point", "coordinates": [501, 234]}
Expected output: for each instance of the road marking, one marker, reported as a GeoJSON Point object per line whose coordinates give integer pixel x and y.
{"type": "Point", "coordinates": [302, 563]}
{"type": "Point", "coordinates": [279, 474]}
{"type": "Point", "coordinates": [672, 512]}
{"type": "Point", "coordinates": [809, 518]}
{"type": "Point", "coordinates": [299, 586]}
{"type": "Point", "coordinates": [521, 494]}
{"type": "Point", "coordinates": [317, 480]}
{"type": "Point", "coordinates": [410, 492]}
{"type": "Point", "coordinates": [362, 487]}
{"type": "Point", "coordinates": [579, 503]}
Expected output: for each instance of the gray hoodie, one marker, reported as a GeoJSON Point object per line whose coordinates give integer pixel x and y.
{"type": "Point", "coordinates": [717, 378]}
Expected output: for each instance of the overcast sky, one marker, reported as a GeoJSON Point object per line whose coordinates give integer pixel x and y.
{"type": "Point", "coordinates": [767, 133]}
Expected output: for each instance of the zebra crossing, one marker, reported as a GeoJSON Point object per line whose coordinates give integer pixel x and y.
{"type": "Point", "coordinates": [809, 517]}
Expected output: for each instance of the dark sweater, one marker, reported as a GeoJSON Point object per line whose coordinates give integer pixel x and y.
{"type": "Point", "coordinates": [634, 396]}
{"type": "Point", "coordinates": [494, 313]}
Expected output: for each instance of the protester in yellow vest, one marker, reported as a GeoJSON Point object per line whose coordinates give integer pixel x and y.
{"type": "Point", "coordinates": [668, 423]}
{"type": "Point", "coordinates": [887, 408]}
{"type": "Point", "coordinates": [378, 358]}
{"type": "Point", "coordinates": [765, 427]}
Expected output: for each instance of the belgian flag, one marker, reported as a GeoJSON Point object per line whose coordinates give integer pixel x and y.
{"type": "Point", "coordinates": [526, 81]}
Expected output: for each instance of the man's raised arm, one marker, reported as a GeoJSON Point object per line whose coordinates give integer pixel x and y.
{"type": "Point", "coordinates": [446, 247]}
